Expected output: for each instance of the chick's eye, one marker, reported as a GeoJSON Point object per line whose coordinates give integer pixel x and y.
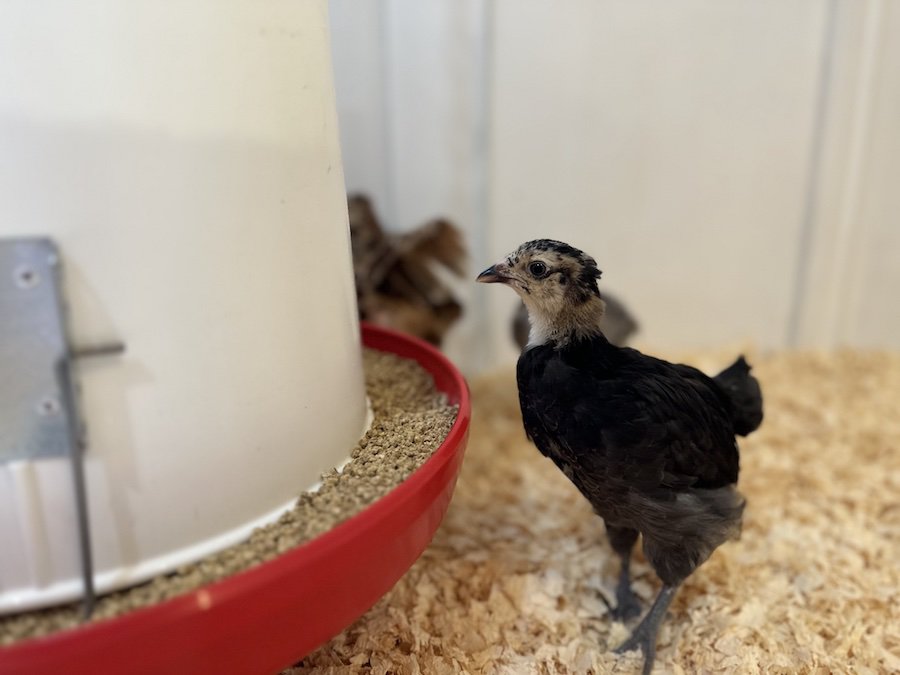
{"type": "Point", "coordinates": [537, 268]}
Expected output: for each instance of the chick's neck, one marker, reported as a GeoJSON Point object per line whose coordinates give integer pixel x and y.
{"type": "Point", "coordinates": [573, 322]}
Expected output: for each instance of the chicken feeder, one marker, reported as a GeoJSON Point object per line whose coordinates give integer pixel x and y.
{"type": "Point", "coordinates": [273, 614]}
{"type": "Point", "coordinates": [174, 174]}
{"type": "Point", "coordinates": [179, 347]}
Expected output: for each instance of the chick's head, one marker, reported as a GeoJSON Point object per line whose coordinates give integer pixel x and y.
{"type": "Point", "coordinates": [558, 284]}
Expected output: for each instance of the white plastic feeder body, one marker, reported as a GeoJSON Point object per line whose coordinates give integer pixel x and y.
{"type": "Point", "coordinates": [185, 158]}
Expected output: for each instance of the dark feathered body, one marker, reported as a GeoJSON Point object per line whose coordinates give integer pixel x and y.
{"type": "Point", "coordinates": [649, 443]}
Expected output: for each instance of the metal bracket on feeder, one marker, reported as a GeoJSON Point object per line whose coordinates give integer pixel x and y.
{"type": "Point", "coordinates": [39, 417]}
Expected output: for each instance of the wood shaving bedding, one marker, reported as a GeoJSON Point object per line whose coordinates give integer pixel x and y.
{"type": "Point", "coordinates": [511, 584]}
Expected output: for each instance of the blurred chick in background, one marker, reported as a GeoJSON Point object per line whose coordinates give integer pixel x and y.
{"type": "Point", "coordinates": [650, 444]}
{"type": "Point", "coordinates": [396, 284]}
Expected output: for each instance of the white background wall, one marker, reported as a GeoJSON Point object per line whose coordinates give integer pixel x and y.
{"type": "Point", "coordinates": [733, 166]}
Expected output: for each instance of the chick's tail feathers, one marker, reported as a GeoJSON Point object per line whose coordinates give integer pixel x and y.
{"type": "Point", "coordinates": [745, 394]}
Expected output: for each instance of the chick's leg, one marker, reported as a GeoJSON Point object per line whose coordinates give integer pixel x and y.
{"type": "Point", "coordinates": [627, 604]}
{"type": "Point", "coordinates": [644, 635]}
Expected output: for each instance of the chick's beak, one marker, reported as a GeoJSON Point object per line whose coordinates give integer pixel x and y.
{"type": "Point", "coordinates": [494, 274]}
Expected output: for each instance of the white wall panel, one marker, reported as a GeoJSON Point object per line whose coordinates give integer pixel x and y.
{"type": "Point", "coordinates": [672, 141]}
{"type": "Point", "coordinates": [358, 51]}
{"type": "Point", "coordinates": [871, 316]}
{"type": "Point", "coordinates": [730, 164]}
{"type": "Point", "coordinates": [409, 79]}
{"type": "Point", "coordinates": [430, 157]}
{"type": "Point", "coordinates": [847, 291]}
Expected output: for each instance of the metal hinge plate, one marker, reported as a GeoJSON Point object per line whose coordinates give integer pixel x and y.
{"type": "Point", "coordinates": [34, 417]}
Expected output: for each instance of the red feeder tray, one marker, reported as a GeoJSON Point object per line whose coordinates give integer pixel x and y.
{"type": "Point", "coordinates": [268, 617]}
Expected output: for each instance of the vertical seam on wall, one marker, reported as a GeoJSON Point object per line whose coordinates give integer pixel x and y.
{"type": "Point", "coordinates": [849, 256]}
{"type": "Point", "coordinates": [809, 214]}
{"type": "Point", "coordinates": [389, 213]}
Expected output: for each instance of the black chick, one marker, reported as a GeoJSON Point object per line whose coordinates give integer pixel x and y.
{"type": "Point", "coordinates": [650, 444]}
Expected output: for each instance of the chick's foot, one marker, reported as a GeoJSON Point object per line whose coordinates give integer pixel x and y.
{"type": "Point", "coordinates": [645, 634]}
{"type": "Point", "coordinates": [628, 605]}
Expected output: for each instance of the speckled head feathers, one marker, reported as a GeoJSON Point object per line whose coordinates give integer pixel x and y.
{"type": "Point", "coordinates": [574, 265]}
{"type": "Point", "coordinates": [558, 284]}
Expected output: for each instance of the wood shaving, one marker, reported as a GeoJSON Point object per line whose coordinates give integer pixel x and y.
{"type": "Point", "coordinates": [511, 584]}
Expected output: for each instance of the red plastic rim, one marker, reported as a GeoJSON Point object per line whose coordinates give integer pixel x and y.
{"type": "Point", "coordinates": [271, 615]}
